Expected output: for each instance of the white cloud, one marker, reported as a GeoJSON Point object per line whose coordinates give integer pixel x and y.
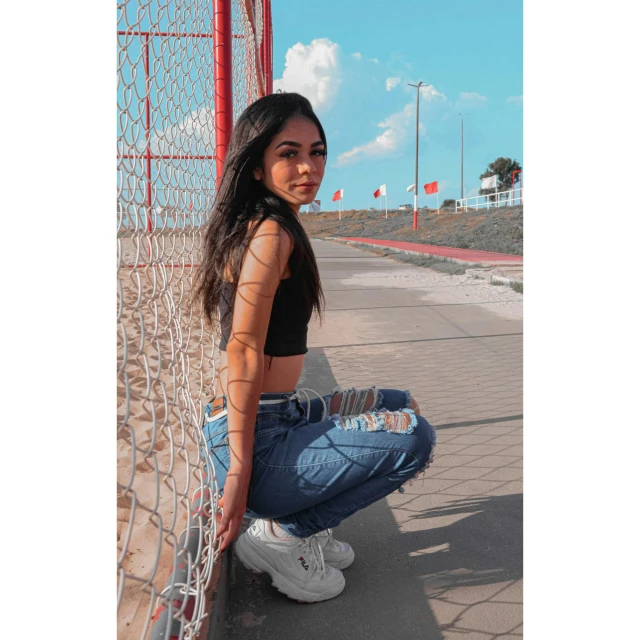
{"type": "Point", "coordinates": [471, 100]}
{"type": "Point", "coordinates": [312, 70]}
{"type": "Point", "coordinates": [358, 56]}
{"type": "Point", "coordinates": [395, 130]}
{"type": "Point", "coordinates": [430, 94]}
{"type": "Point", "coordinates": [396, 127]}
{"type": "Point", "coordinates": [517, 100]}
{"type": "Point", "coordinates": [194, 134]}
{"type": "Point", "coordinates": [392, 82]}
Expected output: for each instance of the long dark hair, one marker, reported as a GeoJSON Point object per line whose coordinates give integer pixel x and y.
{"type": "Point", "coordinates": [241, 199]}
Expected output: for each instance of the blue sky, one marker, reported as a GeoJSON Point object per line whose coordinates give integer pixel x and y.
{"type": "Point", "coordinates": [353, 60]}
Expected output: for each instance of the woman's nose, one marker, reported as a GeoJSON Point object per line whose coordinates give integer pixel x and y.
{"type": "Point", "coordinates": [306, 166]}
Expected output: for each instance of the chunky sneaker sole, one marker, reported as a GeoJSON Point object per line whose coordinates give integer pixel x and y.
{"type": "Point", "coordinates": [254, 559]}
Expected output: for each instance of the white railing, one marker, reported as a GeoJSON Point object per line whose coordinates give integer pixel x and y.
{"type": "Point", "coordinates": [509, 198]}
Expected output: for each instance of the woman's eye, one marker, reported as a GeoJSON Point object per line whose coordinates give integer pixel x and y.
{"type": "Point", "coordinates": [315, 152]}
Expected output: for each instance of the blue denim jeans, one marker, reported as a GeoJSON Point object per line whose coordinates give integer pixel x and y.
{"type": "Point", "coordinates": [312, 473]}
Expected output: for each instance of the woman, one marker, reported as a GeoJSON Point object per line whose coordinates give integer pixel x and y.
{"type": "Point", "coordinates": [299, 466]}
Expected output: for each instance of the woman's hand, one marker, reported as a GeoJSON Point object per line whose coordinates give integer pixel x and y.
{"type": "Point", "coordinates": [234, 506]}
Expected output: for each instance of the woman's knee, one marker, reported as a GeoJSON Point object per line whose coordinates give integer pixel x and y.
{"type": "Point", "coordinates": [424, 440]}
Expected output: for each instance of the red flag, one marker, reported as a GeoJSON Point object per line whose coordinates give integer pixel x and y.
{"type": "Point", "coordinates": [432, 187]}
{"type": "Point", "coordinates": [337, 195]}
{"type": "Point", "coordinates": [376, 193]}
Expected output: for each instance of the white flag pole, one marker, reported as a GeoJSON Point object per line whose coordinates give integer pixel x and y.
{"type": "Point", "coordinates": [386, 208]}
{"type": "Point", "coordinates": [438, 198]}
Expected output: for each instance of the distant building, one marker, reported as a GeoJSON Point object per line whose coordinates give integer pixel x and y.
{"type": "Point", "coordinates": [314, 207]}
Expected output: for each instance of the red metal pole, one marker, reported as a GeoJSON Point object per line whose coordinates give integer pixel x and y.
{"type": "Point", "coordinates": [222, 78]}
{"type": "Point", "coordinates": [263, 44]}
{"type": "Point", "coordinates": [251, 68]}
{"type": "Point", "coordinates": [270, 50]}
{"type": "Point", "coordinates": [265, 47]}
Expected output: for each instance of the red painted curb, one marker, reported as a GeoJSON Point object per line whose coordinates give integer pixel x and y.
{"type": "Point", "coordinates": [466, 255]}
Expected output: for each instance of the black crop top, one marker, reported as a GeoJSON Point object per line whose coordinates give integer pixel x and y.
{"type": "Point", "coordinates": [287, 333]}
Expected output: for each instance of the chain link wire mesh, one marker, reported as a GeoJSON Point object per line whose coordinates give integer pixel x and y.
{"type": "Point", "coordinates": [166, 486]}
{"type": "Point", "coordinates": [245, 74]}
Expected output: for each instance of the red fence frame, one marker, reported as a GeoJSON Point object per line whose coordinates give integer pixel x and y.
{"type": "Point", "coordinates": [266, 47]}
{"type": "Point", "coordinates": [223, 83]}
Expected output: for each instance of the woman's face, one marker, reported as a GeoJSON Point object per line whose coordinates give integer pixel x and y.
{"type": "Point", "coordinates": [293, 164]}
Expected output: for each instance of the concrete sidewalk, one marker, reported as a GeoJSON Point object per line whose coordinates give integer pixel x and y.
{"type": "Point", "coordinates": [444, 559]}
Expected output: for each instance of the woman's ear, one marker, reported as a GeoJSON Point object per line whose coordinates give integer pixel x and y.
{"type": "Point", "coordinates": [257, 173]}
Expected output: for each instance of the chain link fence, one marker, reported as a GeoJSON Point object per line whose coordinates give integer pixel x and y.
{"type": "Point", "coordinates": [166, 489]}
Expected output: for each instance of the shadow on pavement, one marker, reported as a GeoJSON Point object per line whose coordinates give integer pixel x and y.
{"type": "Point", "coordinates": [397, 577]}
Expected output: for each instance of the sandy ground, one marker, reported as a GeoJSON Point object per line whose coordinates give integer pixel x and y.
{"type": "Point", "coordinates": [165, 370]}
{"type": "Point", "coordinates": [168, 248]}
{"type": "Point", "coordinates": [441, 288]}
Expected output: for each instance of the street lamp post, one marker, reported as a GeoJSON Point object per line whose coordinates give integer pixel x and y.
{"type": "Point", "coordinates": [415, 188]}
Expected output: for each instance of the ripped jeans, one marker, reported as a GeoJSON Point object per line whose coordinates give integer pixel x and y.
{"type": "Point", "coordinates": [310, 472]}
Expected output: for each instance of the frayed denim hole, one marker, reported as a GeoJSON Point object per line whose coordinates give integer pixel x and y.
{"type": "Point", "coordinates": [377, 421]}
{"type": "Point", "coordinates": [408, 398]}
{"type": "Point", "coordinates": [349, 423]}
{"type": "Point", "coordinates": [414, 419]}
{"type": "Point", "coordinates": [379, 401]}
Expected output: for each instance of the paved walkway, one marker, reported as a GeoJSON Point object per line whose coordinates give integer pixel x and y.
{"type": "Point", "coordinates": [444, 559]}
{"type": "Point", "coordinates": [452, 253]}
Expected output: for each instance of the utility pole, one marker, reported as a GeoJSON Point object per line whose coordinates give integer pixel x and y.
{"type": "Point", "coordinates": [415, 189]}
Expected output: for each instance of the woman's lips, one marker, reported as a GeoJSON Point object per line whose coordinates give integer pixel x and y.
{"type": "Point", "coordinates": [306, 185]}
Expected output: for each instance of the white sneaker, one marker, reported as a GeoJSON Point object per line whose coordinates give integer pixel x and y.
{"type": "Point", "coordinates": [296, 565]}
{"type": "Point", "coordinates": [338, 554]}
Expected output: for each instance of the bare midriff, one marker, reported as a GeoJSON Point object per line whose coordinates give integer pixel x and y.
{"type": "Point", "coordinates": [280, 374]}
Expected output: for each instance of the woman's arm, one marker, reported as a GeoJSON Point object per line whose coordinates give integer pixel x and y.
{"type": "Point", "coordinates": [262, 269]}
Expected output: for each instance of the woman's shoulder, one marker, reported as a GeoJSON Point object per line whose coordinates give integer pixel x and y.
{"type": "Point", "coordinates": [269, 231]}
